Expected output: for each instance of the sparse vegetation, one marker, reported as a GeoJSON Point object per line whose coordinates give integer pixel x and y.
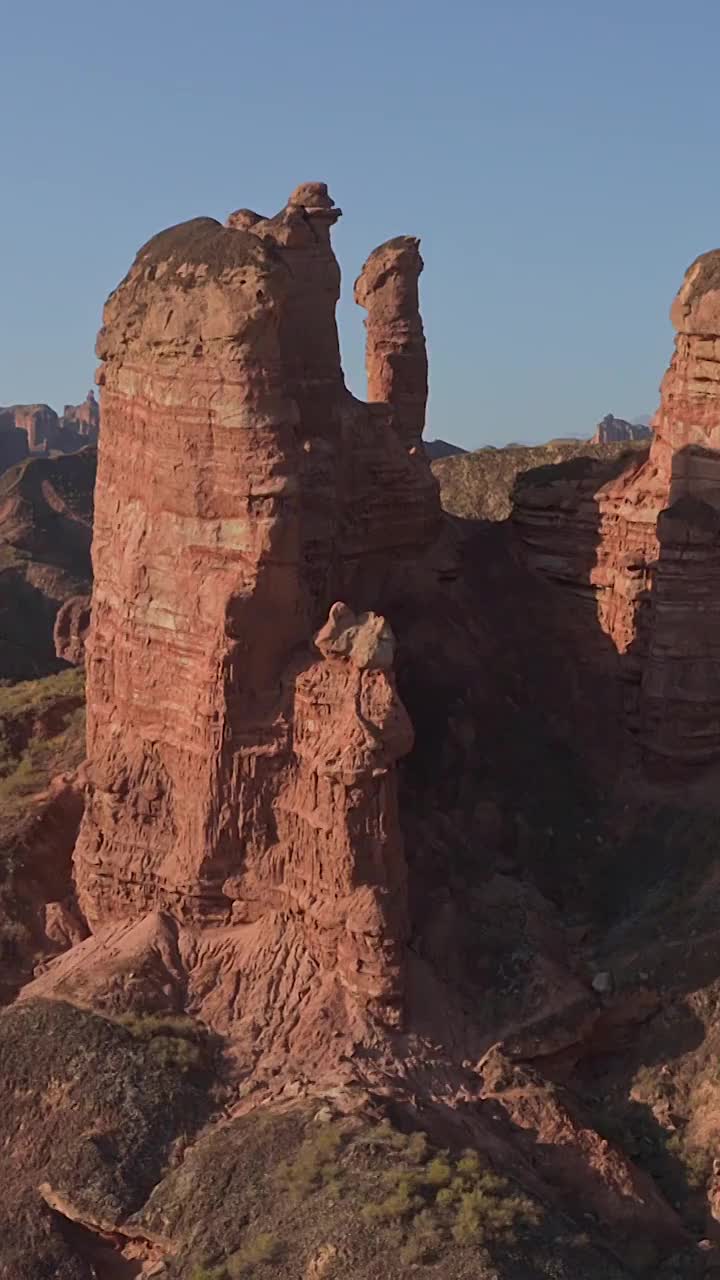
{"type": "Point", "coordinates": [261, 1248]}
{"type": "Point", "coordinates": [434, 1199]}
{"type": "Point", "coordinates": [42, 733]}
{"type": "Point", "coordinates": [314, 1166]}
{"type": "Point", "coordinates": [176, 1042]}
{"type": "Point", "coordinates": [394, 1188]}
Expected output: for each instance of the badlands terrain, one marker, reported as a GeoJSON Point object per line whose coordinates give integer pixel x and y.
{"type": "Point", "coordinates": [358, 857]}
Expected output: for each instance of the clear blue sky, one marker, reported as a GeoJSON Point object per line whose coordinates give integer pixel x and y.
{"type": "Point", "coordinates": [559, 159]}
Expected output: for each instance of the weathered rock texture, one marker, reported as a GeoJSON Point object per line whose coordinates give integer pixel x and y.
{"type": "Point", "coordinates": [480, 485]}
{"type": "Point", "coordinates": [83, 419]}
{"type": "Point", "coordinates": [395, 356]}
{"type": "Point", "coordinates": [13, 442]}
{"type": "Point", "coordinates": [612, 430]}
{"type": "Point", "coordinates": [240, 772]}
{"type": "Point", "coordinates": [45, 432]}
{"type": "Point", "coordinates": [644, 545]}
{"type": "Point", "coordinates": [39, 422]}
{"type": "Point", "coordinates": [46, 515]}
{"type": "Point", "coordinates": [71, 628]}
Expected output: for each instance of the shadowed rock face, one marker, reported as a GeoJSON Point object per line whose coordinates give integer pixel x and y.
{"type": "Point", "coordinates": [239, 771]}
{"type": "Point", "coordinates": [45, 432]}
{"type": "Point", "coordinates": [614, 430]}
{"type": "Point", "coordinates": [39, 422]}
{"type": "Point", "coordinates": [646, 545]}
{"type": "Point", "coordinates": [46, 514]}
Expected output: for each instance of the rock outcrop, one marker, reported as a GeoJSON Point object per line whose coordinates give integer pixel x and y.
{"type": "Point", "coordinates": [46, 524]}
{"type": "Point", "coordinates": [612, 430]}
{"type": "Point", "coordinates": [71, 628]}
{"type": "Point", "coordinates": [480, 485]}
{"type": "Point", "coordinates": [83, 419]}
{"type": "Point", "coordinates": [13, 442]}
{"type": "Point", "coordinates": [39, 422]}
{"type": "Point", "coordinates": [644, 545]}
{"type": "Point", "coordinates": [241, 772]}
{"type": "Point", "coordinates": [278, 610]}
{"type": "Point", "coordinates": [395, 354]}
{"type": "Point", "coordinates": [45, 432]}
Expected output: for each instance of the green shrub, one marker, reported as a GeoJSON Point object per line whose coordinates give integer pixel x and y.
{"type": "Point", "coordinates": [314, 1166]}
{"type": "Point", "coordinates": [449, 1198]}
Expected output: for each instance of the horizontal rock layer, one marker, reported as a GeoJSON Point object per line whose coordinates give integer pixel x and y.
{"type": "Point", "coordinates": [239, 771]}
{"type": "Point", "coordinates": [644, 545]}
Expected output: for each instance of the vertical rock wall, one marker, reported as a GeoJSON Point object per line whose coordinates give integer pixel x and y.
{"type": "Point", "coordinates": [649, 550]}
{"type": "Point", "coordinates": [240, 771]}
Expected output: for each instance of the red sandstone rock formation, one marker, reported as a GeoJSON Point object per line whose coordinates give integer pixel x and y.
{"type": "Point", "coordinates": [39, 422]}
{"type": "Point", "coordinates": [83, 420]}
{"type": "Point", "coordinates": [71, 627]}
{"type": "Point", "coordinates": [238, 772]}
{"type": "Point", "coordinates": [240, 857]}
{"type": "Point", "coordinates": [614, 430]}
{"type": "Point", "coordinates": [46, 513]}
{"type": "Point", "coordinates": [13, 441]}
{"type": "Point", "coordinates": [646, 544]}
{"type": "Point", "coordinates": [395, 356]}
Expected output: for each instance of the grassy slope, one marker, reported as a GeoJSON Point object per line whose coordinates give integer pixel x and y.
{"type": "Point", "coordinates": [42, 733]}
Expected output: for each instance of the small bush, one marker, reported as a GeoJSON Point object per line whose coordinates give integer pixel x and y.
{"type": "Point", "coordinates": [424, 1239]}
{"type": "Point", "coordinates": [314, 1166]}
{"type": "Point", "coordinates": [174, 1040]}
{"type": "Point", "coordinates": [446, 1198]}
{"type": "Point", "coordinates": [264, 1247]}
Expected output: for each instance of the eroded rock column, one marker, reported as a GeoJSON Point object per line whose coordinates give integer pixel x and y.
{"type": "Point", "coordinates": [395, 353]}
{"type": "Point", "coordinates": [243, 723]}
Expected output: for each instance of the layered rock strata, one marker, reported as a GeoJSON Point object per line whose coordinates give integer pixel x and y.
{"type": "Point", "coordinates": [46, 514]}
{"type": "Point", "coordinates": [39, 422]}
{"type": "Point", "coordinates": [395, 355]}
{"type": "Point", "coordinates": [71, 628]}
{"type": "Point", "coordinates": [239, 771]}
{"type": "Point", "coordinates": [83, 419]}
{"type": "Point", "coordinates": [648, 553]}
{"type": "Point", "coordinates": [612, 430]}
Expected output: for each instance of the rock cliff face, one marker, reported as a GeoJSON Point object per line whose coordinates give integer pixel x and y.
{"type": "Point", "coordinates": [614, 430]}
{"type": "Point", "coordinates": [13, 441]}
{"type": "Point", "coordinates": [46, 520]}
{"type": "Point", "coordinates": [39, 422]}
{"type": "Point", "coordinates": [480, 485]}
{"type": "Point", "coordinates": [644, 544]}
{"type": "Point", "coordinates": [83, 419]}
{"type": "Point", "coordinates": [45, 432]}
{"type": "Point", "coordinates": [239, 771]}
{"type": "Point", "coordinates": [71, 628]}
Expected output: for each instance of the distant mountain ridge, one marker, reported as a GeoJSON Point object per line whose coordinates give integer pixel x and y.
{"type": "Point", "coordinates": [441, 449]}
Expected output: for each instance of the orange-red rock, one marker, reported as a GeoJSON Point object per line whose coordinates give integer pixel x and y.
{"type": "Point", "coordinates": [645, 545]}
{"type": "Point", "coordinates": [612, 430]}
{"type": "Point", "coordinates": [83, 419]}
{"type": "Point", "coordinates": [39, 422]}
{"type": "Point", "coordinates": [71, 627]}
{"type": "Point", "coordinates": [395, 354]}
{"type": "Point", "coordinates": [240, 772]}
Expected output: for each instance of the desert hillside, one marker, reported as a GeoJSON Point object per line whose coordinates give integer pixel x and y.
{"type": "Point", "coordinates": [479, 485]}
